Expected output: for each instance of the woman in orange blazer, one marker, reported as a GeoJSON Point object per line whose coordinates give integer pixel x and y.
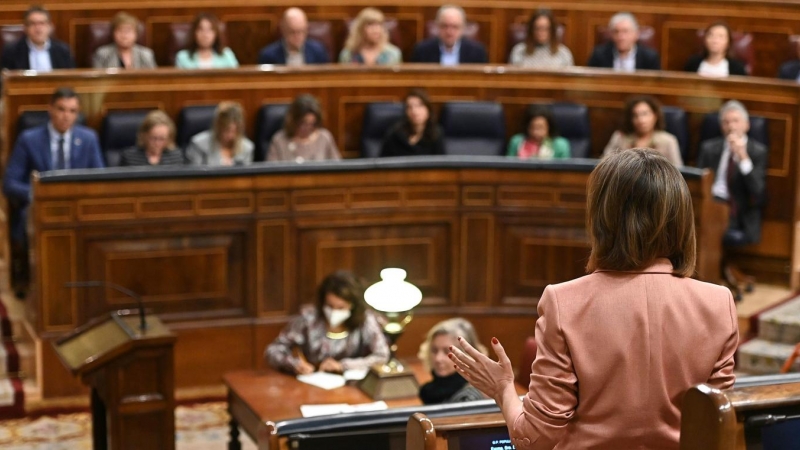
{"type": "Point", "coordinates": [618, 348]}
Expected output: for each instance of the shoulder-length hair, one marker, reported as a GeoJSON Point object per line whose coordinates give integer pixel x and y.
{"type": "Point", "coordinates": [431, 132]}
{"type": "Point", "coordinates": [534, 111]}
{"type": "Point", "coordinates": [228, 113]}
{"type": "Point", "coordinates": [344, 285]}
{"type": "Point", "coordinates": [301, 106]}
{"type": "Point", "coordinates": [639, 209]}
{"type": "Point", "coordinates": [652, 102]}
{"type": "Point", "coordinates": [367, 16]}
{"type": "Point", "coordinates": [530, 35]}
{"type": "Point", "coordinates": [123, 18]}
{"type": "Point", "coordinates": [730, 38]}
{"type": "Point", "coordinates": [454, 327]}
{"type": "Point", "coordinates": [212, 19]}
{"type": "Point", "coordinates": [151, 120]}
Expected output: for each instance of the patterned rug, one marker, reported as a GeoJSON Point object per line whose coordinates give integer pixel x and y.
{"type": "Point", "coordinates": [202, 426]}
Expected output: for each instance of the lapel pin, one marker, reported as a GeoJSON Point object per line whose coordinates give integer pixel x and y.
{"type": "Point", "coordinates": [77, 141]}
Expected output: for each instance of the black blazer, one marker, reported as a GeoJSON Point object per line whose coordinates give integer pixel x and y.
{"type": "Point", "coordinates": [396, 143]}
{"type": "Point", "coordinates": [735, 67]}
{"type": "Point", "coordinates": [646, 58]}
{"type": "Point", "coordinates": [746, 191]}
{"type": "Point", "coordinates": [428, 51]}
{"type": "Point", "coordinates": [789, 70]}
{"type": "Point", "coordinates": [16, 56]}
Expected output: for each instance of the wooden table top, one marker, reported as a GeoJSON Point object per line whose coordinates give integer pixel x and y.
{"type": "Point", "coordinates": [275, 396]}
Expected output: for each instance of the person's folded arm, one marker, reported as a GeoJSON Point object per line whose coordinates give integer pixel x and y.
{"type": "Point", "coordinates": [722, 376]}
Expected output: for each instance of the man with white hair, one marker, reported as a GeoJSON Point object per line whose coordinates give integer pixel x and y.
{"type": "Point", "coordinates": [450, 48]}
{"type": "Point", "coordinates": [622, 53]}
{"type": "Point", "coordinates": [739, 165]}
{"type": "Point", "coordinates": [294, 48]}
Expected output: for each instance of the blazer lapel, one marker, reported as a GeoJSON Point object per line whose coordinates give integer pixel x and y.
{"type": "Point", "coordinates": [76, 151]}
{"type": "Point", "coordinates": [45, 154]}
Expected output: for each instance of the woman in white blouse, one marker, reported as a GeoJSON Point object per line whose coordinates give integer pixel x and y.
{"type": "Point", "coordinates": [541, 48]}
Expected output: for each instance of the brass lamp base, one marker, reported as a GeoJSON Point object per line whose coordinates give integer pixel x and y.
{"type": "Point", "coordinates": [389, 381]}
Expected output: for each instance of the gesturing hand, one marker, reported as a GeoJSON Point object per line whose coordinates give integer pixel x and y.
{"type": "Point", "coordinates": [488, 376]}
{"type": "Point", "coordinates": [331, 365]}
{"type": "Point", "coordinates": [303, 367]}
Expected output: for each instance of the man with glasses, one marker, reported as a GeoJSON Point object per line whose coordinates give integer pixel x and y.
{"type": "Point", "coordinates": [449, 48]}
{"type": "Point", "coordinates": [37, 50]}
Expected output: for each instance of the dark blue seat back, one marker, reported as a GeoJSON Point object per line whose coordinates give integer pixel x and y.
{"type": "Point", "coordinates": [473, 128]}
{"type": "Point", "coordinates": [676, 122]}
{"type": "Point", "coordinates": [35, 118]}
{"type": "Point", "coordinates": [193, 120]}
{"type": "Point", "coordinates": [759, 130]}
{"type": "Point", "coordinates": [119, 132]}
{"type": "Point", "coordinates": [378, 118]}
{"type": "Point", "coordinates": [572, 120]}
{"type": "Point", "coordinates": [268, 122]}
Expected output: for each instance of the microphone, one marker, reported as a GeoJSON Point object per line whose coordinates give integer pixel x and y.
{"type": "Point", "coordinates": [768, 419]}
{"type": "Point", "coordinates": [118, 288]}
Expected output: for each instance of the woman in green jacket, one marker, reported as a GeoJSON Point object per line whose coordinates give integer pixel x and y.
{"type": "Point", "coordinates": [539, 137]}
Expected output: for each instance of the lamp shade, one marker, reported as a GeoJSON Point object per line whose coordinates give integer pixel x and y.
{"type": "Point", "coordinates": [393, 293]}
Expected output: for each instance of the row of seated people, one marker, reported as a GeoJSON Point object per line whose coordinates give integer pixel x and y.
{"type": "Point", "coordinates": [730, 148]}
{"type": "Point", "coordinates": [295, 132]}
{"type": "Point", "coordinates": [369, 42]}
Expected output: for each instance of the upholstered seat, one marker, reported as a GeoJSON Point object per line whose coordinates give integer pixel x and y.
{"type": "Point", "coordinates": [676, 122]}
{"type": "Point", "coordinates": [118, 132]}
{"type": "Point", "coordinates": [193, 120]}
{"type": "Point", "coordinates": [269, 121]}
{"type": "Point", "coordinates": [35, 118]}
{"type": "Point", "coordinates": [10, 34]}
{"type": "Point", "coordinates": [471, 30]}
{"type": "Point", "coordinates": [378, 118]}
{"type": "Point", "coordinates": [572, 121]}
{"type": "Point", "coordinates": [759, 130]}
{"type": "Point", "coordinates": [473, 128]}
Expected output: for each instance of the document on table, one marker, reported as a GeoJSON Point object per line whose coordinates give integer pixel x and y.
{"type": "Point", "coordinates": [340, 408]}
{"type": "Point", "coordinates": [329, 381]}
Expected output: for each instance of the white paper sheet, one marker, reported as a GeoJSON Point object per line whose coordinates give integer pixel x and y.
{"type": "Point", "coordinates": [340, 408]}
{"type": "Point", "coordinates": [323, 380]}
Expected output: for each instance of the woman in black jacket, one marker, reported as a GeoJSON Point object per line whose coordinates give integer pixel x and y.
{"type": "Point", "coordinates": [715, 60]}
{"type": "Point", "coordinates": [417, 133]}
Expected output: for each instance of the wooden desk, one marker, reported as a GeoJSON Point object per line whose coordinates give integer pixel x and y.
{"type": "Point", "coordinates": [424, 433]}
{"type": "Point", "coordinates": [258, 400]}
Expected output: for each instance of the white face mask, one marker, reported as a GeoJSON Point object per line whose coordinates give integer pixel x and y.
{"type": "Point", "coordinates": [336, 317]}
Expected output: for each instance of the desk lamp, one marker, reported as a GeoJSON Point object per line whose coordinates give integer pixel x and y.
{"type": "Point", "coordinates": [395, 298]}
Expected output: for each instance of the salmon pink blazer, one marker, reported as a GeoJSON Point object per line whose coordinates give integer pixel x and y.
{"type": "Point", "coordinates": [616, 353]}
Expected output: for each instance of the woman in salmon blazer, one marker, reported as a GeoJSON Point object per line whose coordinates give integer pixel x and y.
{"type": "Point", "coordinates": [618, 348]}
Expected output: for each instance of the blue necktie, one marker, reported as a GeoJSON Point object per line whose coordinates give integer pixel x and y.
{"type": "Point", "coordinates": [61, 162]}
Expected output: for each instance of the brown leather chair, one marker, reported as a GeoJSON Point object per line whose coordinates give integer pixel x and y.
{"type": "Point", "coordinates": [528, 355]}
{"type": "Point", "coordinates": [741, 47]}
{"type": "Point", "coordinates": [471, 30]}
{"type": "Point", "coordinates": [647, 36]}
{"type": "Point", "coordinates": [10, 34]}
{"type": "Point", "coordinates": [179, 37]}
{"type": "Point", "coordinates": [100, 35]}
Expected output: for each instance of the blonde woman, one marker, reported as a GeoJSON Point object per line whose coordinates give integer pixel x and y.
{"type": "Point", "coordinates": [225, 143]}
{"type": "Point", "coordinates": [124, 52]}
{"type": "Point", "coordinates": [448, 386]}
{"type": "Point", "coordinates": [368, 42]}
{"type": "Point", "coordinates": [155, 143]}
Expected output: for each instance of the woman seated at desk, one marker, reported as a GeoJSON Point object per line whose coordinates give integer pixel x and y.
{"type": "Point", "coordinates": [338, 333]}
{"type": "Point", "coordinates": [643, 127]}
{"type": "Point", "coordinates": [303, 137]}
{"type": "Point", "coordinates": [416, 133]}
{"type": "Point", "coordinates": [448, 386]}
{"type": "Point", "coordinates": [155, 143]}
{"type": "Point", "coordinates": [539, 138]}
{"type": "Point", "coordinates": [225, 143]}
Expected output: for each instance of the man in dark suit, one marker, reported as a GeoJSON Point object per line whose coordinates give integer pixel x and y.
{"type": "Point", "coordinates": [739, 165]}
{"type": "Point", "coordinates": [449, 48]}
{"type": "Point", "coordinates": [58, 145]}
{"type": "Point", "coordinates": [622, 53]}
{"type": "Point", "coordinates": [294, 48]}
{"type": "Point", "coordinates": [37, 50]}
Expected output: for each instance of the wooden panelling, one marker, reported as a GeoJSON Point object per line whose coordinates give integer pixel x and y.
{"type": "Point", "coordinates": [477, 248]}
{"type": "Point", "coordinates": [252, 25]}
{"type": "Point", "coordinates": [274, 247]}
{"type": "Point", "coordinates": [59, 309]}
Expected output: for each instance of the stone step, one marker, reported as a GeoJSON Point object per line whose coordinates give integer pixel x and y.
{"type": "Point", "coordinates": [781, 324]}
{"type": "Point", "coordinates": [761, 357]}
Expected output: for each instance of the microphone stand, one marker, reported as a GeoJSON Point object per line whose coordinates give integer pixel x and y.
{"type": "Point", "coordinates": [118, 288]}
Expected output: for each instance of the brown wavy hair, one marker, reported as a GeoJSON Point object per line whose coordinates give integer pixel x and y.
{"type": "Point", "coordinates": [302, 105]}
{"type": "Point", "coordinates": [346, 286]}
{"type": "Point", "coordinates": [639, 209]}
{"type": "Point", "coordinates": [212, 19]}
{"type": "Point", "coordinates": [652, 102]}
{"type": "Point", "coordinates": [530, 40]}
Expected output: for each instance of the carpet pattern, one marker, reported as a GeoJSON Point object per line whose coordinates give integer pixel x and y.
{"type": "Point", "coordinates": [12, 396]}
{"type": "Point", "coordinates": [202, 426]}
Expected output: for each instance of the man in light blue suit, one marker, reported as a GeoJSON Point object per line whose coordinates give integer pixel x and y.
{"type": "Point", "coordinates": [58, 145]}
